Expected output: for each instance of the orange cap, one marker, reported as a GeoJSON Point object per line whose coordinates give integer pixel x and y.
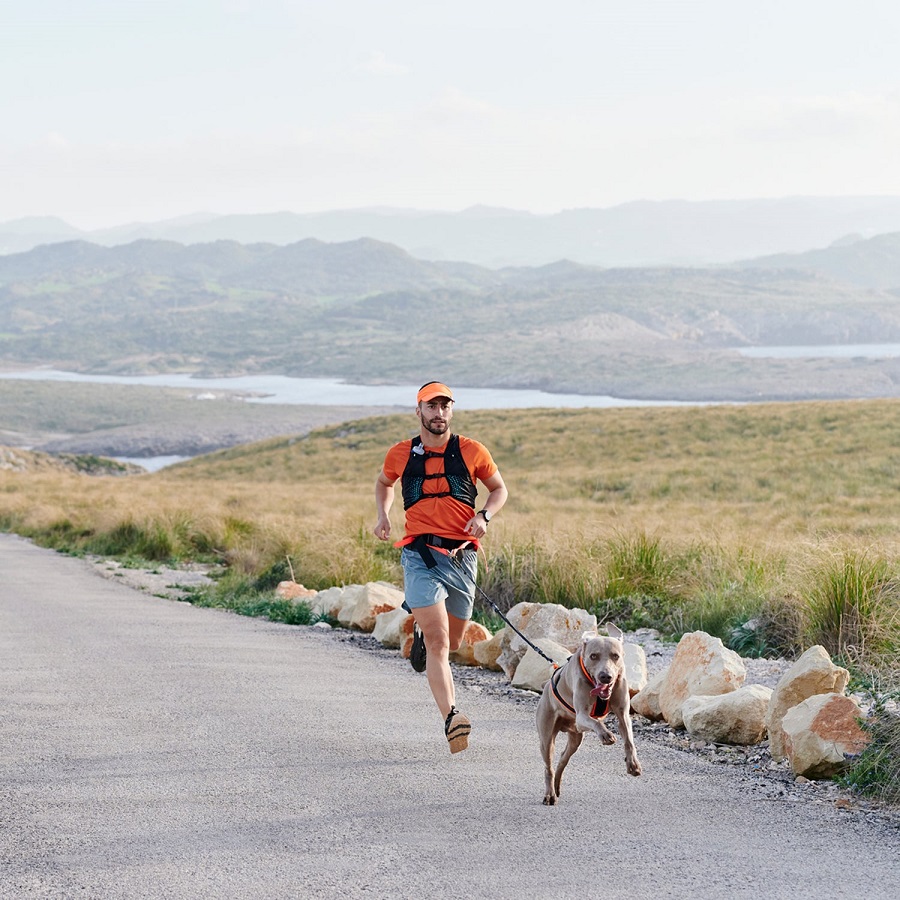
{"type": "Point", "coordinates": [431, 390]}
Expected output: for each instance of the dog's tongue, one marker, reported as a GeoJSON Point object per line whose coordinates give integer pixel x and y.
{"type": "Point", "coordinates": [602, 691]}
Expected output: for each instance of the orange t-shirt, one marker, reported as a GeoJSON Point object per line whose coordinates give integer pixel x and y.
{"type": "Point", "coordinates": [443, 516]}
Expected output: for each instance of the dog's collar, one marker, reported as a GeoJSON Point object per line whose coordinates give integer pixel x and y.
{"type": "Point", "coordinates": [601, 705]}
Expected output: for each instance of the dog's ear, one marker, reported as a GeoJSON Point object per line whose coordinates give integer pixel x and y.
{"type": "Point", "coordinates": [587, 636]}
{"type": "Point", "coordinates": [614, 632]}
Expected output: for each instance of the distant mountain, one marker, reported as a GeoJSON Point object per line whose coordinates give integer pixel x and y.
{"type": "Point", "coordinates": [643, 233]}
{"type": "Point", "coordinates": [368, 311]}
{"type": "Point", "coordinates": [873, 263]}
{"type": "Point", "coordinates": [20, 235]}
{"type": "Point", "coordinates": [308, 268]}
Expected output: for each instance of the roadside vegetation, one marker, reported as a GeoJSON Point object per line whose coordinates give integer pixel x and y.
{"type": "Point", "coordinates": [773, 527]}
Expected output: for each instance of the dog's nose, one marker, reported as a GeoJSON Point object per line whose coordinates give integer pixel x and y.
{"type": "Point", "coordinates": [605, 678]}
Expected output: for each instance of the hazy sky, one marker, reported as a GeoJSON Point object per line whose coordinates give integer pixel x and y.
{"type": "Point", "coordinates": [122, 110]}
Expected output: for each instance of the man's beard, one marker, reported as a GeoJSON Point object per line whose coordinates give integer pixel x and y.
{"type": "Point", "coordinates": [436, 428]}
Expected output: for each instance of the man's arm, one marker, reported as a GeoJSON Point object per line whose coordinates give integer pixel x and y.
{"type": "Point", "coordinates": [384, 499]}
{"type": "Point", "coordinates": [493, 504]}
{"type": "Point", "coordinates": [498, 494]}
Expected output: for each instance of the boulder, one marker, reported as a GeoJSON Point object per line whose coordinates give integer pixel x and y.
{"type": "Point", "coordinates": [552, 622]}
{"type": "Point", "coordinates": [486, 652]}
{"type": "Point", "coordinates": [544, 621]}
{"type": "Point", "coordinates": [821, 732]}
{"type": "Point", "coordinates": [813, 673]}
{"type": "Point", "coordinates": [646, 701]}
{"type": "Point", "coordinates": [406, 636]}
{"type": "Point", "coordinates": [328, 602]}
{"type": "Point", "coordinates": [388, 627]}
{"type": "Point", "coordinates": [375, 598]}
{"type": "Point", "coordinates": [635, 668]}
{"type": "Point", "coordinates": [350, 594]}
{"type": "Point", "coordinates": [474, 634]}
{"type": "Point", "coordinates": [291, 590]}
{"type": "Point", "coordinates": [702, 665]}
{"type": "Point", "coordinates": [738, 717]}
{"type": "Point", "coordinates": [507, 658]}
{"type": "Point", "coordinates": [533, 670]}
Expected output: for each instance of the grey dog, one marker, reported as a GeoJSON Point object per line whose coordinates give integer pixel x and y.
{"type": "Point", "coordinates": [577, 699]}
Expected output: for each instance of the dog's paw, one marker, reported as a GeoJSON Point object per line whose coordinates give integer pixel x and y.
{"type": "Point", "coordinates": [633, 766]}
{"type": "Point", "coordinates": [550, 800]}
{"type": "Point", "coordinates": [606, 736]}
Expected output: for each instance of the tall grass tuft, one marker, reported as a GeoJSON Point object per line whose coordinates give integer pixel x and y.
{"type": "Point", "coordinates": [724, 594]}
{"type": "Point", "coordinates": [638, 565]}
{"type": "Point", "coordinates": [643, 582]}
{"type": "Point", "coordinates": [853, 607]}
{"type": "Point", "coordinates": [151, 541]}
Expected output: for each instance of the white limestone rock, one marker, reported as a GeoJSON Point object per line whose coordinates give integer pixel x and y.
{"type": "Point", "coordinates": [813, 673]}
{"type": "Point", "coordinates": [738, 717]}
{"type": "Point", "coordinates": [702, 665]}
{"type": "Point", "coordinates": [822, 734]}
{"type": "Point", "coordinates": [533, 670]}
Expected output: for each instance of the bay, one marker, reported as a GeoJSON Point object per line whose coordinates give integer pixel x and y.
{"type": "Point", "coordinates": [333, 392]}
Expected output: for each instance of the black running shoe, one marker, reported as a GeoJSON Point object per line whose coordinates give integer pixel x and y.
{"type": "Point", "coordinates": [417, 652]}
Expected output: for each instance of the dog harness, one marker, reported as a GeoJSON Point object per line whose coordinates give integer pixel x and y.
{"type": "Point", "coordinates": [601, 705]}
{"type": "Point", "coordinates": [458, 477]}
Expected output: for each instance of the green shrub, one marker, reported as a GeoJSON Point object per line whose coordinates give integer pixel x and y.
{"type": "Point", "coordinates": [240, 594]}
{"type": "Point", "coordinates": [876, 773]}
{"type": "Point", "coordinates": [507, 575]}
{"type": "Point", "coordinates": [62, 535]}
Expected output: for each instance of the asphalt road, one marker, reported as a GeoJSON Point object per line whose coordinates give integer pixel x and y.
{"type": "Point", "coordinates": [151, 749]}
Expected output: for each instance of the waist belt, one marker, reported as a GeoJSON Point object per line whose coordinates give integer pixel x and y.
{"type": "Point", "coordinates": [424, 542]}
{"type": "Point", "coordinates": [435, 540]}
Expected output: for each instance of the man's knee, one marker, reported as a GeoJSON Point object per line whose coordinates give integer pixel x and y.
{"type": "Point", "coordinates": [437, 642]}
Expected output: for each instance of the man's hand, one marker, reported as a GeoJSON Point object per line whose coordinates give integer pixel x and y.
{"type": "Point", "coordinates": [384, 497]}
{"type": "Point", "coordinates": [476, 526]}
{"type": "Point", "coordinates": [382, 529]}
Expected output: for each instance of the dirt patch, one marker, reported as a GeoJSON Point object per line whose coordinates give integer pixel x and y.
{"type": "Point", "coordinates": [164, 581]}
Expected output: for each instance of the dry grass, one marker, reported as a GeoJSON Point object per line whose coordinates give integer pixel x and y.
{"type": "Point", "coordinates": [703, 517]}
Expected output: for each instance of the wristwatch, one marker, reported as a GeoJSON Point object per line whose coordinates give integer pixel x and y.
{"type": "Point", "coordinates": [485, 513]}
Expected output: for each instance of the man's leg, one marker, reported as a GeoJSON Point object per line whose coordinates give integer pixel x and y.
{"type": "Point", "coordinates": [435, 626]}
{"type": "Point", "coordinates": [457, 630]}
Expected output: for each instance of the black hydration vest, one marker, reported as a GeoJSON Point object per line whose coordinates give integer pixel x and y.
{"type": "Point", "coordinates": [459, 479]}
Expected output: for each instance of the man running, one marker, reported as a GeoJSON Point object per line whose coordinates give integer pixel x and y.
{"type": "Point", "coordinates": [438, 472]}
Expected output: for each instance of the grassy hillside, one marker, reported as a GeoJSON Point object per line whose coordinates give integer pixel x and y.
{"type": "Point", "coordinates": [772, 526]}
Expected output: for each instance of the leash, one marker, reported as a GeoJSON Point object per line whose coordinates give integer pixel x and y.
{"type": "Point", "coordinates": [458, 563]}
{"type": "Point", "coordinates": [601, 704]}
